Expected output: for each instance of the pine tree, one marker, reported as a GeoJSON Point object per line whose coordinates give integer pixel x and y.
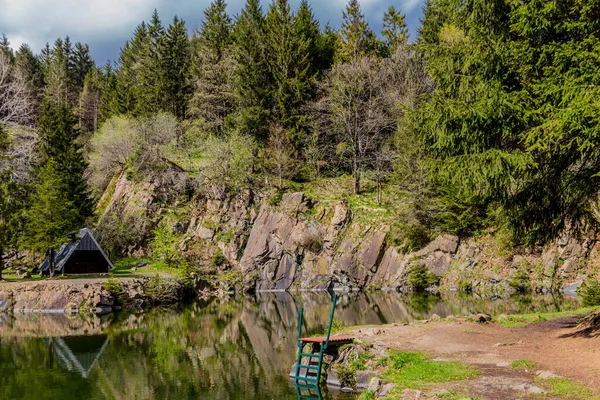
{"type": "Point", "coordinates": [89, 102]}
{"type": "Point", "coordinates": [30, 65]}
{"type": "Point", "coordinates": [82, 64]}
{"type": "Point", "coordinates": [7, 204]}
{"type": "Point", "coordinates": [109, 95]}
{"type": "Point", "coordinates": [6, 49]}
{"type": "Point", "coordinates": [128, 75]}
{"type": "Point", "coordinates": [307, 27]}
{"type": "Point", "coordinates": [176, 67]}
{"type": "Point", "coordinates": [214, 68]}
{"type": "Point", "coordinates": [52, 216]}
{"type": "Point", "coordinates": [152, 70]}
{"type": "Point", "coordinates": [395, 30]}
{"type": "Point", "coordinates": [253, 79]}
{"type": "Point", "coordinates": [58, 137]}
{"type": "Point", "coordinates": [288, 59]}
{"type": "Point", "coordinates": [356, 37]}
{"type": "Point", "coordinates": [57, 85]}
{"type": "Point", "coordinates": [470, 124]}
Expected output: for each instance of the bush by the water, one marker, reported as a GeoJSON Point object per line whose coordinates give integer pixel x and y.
{"type": "Point", "coordinates": [420, 278]}
{"type": "Point", "coordinates": [521, 281]}
{"type": "Point", "coordinates": [590, 293]}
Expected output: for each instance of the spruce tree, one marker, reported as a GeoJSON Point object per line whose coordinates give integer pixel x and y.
{"type": "Point", "coordinates": [52, 216]}
{"type": "Point", "coordinates": [307, 27]}
{"type": "Point", "coordinates": [81, 65]}
{"type": "Point", "coordinates": [89, 102]}
{"type": "Point", "coordinates": [395, 30]}
{"type": "Point", "coordinates": [253, 79]}
{"type": "Point", "coordinates": [58, 144]}
{"type": "Point", "coordinates": [7, 201]}
{"type": "Point", "coordinates": [214, 68]}
{"type": "Point", "coordinates": [128, 76]}
{"type": "Point", "coordinates": [288, 59]}
{"type": "Point", "coordinates": [356, 37]}
{"type": "Point", "coordinates": [6, 49]}
{"type": "Point", "coordinates": [152, 70]}
{"type": "Point", "coordinates": [57, 85]}
{"type": "Point", "coordinates": [176, 56]}
{"type": "Point", "coordinates": [30, 66]}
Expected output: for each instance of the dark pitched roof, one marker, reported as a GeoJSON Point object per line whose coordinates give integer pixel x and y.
{"type": "Point", "coordinates": [84, 241]}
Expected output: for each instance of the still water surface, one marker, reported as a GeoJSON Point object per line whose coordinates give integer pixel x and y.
{"type": "Point", "coordinates": [221, 349]}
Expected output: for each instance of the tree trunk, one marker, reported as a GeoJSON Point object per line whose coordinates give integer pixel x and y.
{"type": "Point", "coordinates": [1, 263]}
{"type": "Point", "coordinates": [356, 175]}
{"type": "Point", "coordinates": [51, 263]}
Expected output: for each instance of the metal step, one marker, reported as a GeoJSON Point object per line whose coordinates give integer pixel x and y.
{"type": "Point", "coordinates": [313, 367]}
{"type": "Point", "coordinates": [311, 355]}
{"type": "Point", "coordinates": [302, 378]}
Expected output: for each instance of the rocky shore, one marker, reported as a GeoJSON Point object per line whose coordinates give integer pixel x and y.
{"type": "Point", "coordinates": [89, 295]}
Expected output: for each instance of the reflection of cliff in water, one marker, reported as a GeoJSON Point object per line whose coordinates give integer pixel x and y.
{"type": "Point", "coordinates": [221, 349]}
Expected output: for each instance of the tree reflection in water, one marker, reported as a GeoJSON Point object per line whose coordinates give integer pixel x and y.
{"type": "Point", "coordinates": [240, 348]}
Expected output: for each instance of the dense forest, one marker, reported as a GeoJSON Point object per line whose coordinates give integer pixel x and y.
{"type": "Point", "coordinates": [488, 119]}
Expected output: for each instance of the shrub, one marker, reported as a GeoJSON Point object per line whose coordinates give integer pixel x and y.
{"type": "Point", "coordinates": [163, 244]}
{"type": "Point", "coordinates": [420, 278]}
{"type": "Point", "coordinates": [218, 259]}
{"type": "Point", "coordinates": [521, 281]}
{"type": "Point", "coordinates": [590, 293]}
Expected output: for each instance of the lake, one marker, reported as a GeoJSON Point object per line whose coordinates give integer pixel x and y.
{"type": "Point", "coordinates": [238, 348]}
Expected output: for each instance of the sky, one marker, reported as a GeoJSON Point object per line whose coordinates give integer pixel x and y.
{"type": "Point", "coordinates": [106, 24]}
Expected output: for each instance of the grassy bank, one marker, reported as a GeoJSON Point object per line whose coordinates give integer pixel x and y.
{"type": "Point", "coordinates": [522, 320]}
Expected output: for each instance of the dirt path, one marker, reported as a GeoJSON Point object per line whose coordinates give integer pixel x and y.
{"type": "Point", "coordinates": [557, 346]}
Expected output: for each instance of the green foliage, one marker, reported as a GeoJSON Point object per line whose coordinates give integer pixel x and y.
{"type": "Point", "coordinates": [218, 259]}
{"type": "Point", "coordinates": [415, 370]}
{"type": "Point", "coordinates": [521, 281]}
{"type": "Point", "coordinates": [115, 288]}
{"type": "Point", "coordinates": [275, 199]}
{"type": "Point", "coordinates": [164, 244]}
{"type": "Point", "coordinates": [590, 293]}
{"type": "Point", "coordinates": [367, 395]}
{"type": "Point", "coordinates": [521, 320]}
{"type": "Point", "coordinates": [52, 216]}
{"type": "Point", "coordinates": [357, 38]}
{"type": "Point", "coordinates": [58, 137]}
{"type": "Point", "coordinates": [420, 278]}
{"type": "Point", "coordinates": [566, 388]}
{"type": "Point", "coordinates": [524, 364]}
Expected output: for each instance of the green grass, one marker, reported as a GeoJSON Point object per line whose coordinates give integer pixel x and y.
{"type": "Point", "coordinates": [414, 370]}
{"type": "Point", "coordinates": [521, 320]}
{"type": "Point", "coordinates": [123, 268]}
{"type": "Point", "coordinates": [524, 364]}
{"type": "Point", "coordinates": [367, 395]}
{"type": "Point", "coordinates": [566, 389]}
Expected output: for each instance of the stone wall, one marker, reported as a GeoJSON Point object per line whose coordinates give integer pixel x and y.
{"type": "Point", "coordinates": [301, 244]}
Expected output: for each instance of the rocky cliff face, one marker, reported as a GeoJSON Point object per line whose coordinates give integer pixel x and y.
{"type": "Point", "coordinates": [301, 244]}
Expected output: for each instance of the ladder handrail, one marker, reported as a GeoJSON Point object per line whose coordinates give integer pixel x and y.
{"type": "Point", "coordinates": [300, 326]}
{"type": "Point", "coordinates": [330, 320]}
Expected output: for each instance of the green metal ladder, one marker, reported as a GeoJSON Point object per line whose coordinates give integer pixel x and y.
{"type": "Point", "coordinates": [312, 381]}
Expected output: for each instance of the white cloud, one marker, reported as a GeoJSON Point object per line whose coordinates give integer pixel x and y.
{"type": "Point", "coordinates": [106, 24]}
{"type": "Point", "coordinates": [39, 21]}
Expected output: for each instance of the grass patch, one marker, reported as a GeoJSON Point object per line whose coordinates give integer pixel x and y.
{"type": "Point", "coordinates": [414, 370]}
{"type": "Point", "coordinates": [524, 364]}
{"type": "Point", "coordinates": [367, 395]}
{"type": "Point", "coordinates": [123, 268]}
{"type": "Point", "coordinates": [566, 389]}
{"type": "Point", "coordinates": [521, 320]}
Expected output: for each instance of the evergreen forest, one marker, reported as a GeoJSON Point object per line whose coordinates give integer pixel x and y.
{"type": "Point", "coordinates": [488, 119]}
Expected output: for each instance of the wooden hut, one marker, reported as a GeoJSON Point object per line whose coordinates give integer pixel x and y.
{"type": "Point", "coordinates": [81, 256]}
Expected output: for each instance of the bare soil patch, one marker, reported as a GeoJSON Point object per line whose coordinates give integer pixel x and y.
{"type": "Point", "coordinates": [560, 347]}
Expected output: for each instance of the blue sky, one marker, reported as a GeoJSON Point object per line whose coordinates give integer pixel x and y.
{"type": "Point", "coordinates": [106, 24]}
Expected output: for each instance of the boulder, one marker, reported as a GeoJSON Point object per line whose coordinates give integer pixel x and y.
{"type": "Point", "coordinates": [363, 379]}
{"type": "Point", "coordinates": [374, 385]}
